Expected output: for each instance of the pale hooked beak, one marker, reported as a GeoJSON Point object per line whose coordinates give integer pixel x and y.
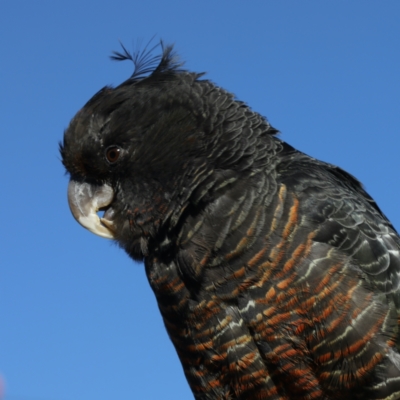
{"type": "Point", "coordinates": [85, 200]}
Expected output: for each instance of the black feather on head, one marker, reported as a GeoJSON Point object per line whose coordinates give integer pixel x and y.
{"type": "Point", "coordinates": [146, 64]}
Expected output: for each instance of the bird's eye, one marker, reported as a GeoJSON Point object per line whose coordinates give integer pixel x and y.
{"type": "Point", "coordinates": [112, 154]}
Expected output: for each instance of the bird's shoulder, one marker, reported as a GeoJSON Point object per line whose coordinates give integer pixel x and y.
{"type": "Point", "coordinates": [337, 208]}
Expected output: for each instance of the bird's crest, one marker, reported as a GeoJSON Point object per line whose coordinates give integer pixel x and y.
{"type": "Point", "coordinates": [145, 63]}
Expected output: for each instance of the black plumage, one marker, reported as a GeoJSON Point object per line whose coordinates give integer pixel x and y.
{"type": "Point", "coordinates": [276, 274]}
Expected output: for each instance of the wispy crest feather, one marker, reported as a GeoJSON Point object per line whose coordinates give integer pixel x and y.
{"type": "Point", "coordinates": [145, 63]}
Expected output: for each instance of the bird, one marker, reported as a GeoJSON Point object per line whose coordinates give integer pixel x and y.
{"type": "Point", "coordinates": [276, 274]}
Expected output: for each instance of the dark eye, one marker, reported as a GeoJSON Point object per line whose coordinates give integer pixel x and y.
{"type": "Point", "coordinates": [112, 154]}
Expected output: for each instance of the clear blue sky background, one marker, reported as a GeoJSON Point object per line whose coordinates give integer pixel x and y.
{"type": "Point", "coordinates": [78, 319]}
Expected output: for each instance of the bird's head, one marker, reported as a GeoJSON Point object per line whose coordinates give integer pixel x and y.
{"type": "Point", "coordinates": [140, 150]}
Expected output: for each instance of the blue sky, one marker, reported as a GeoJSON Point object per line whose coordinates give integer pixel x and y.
{"type": "Point", "coordinates": [78, 319]}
